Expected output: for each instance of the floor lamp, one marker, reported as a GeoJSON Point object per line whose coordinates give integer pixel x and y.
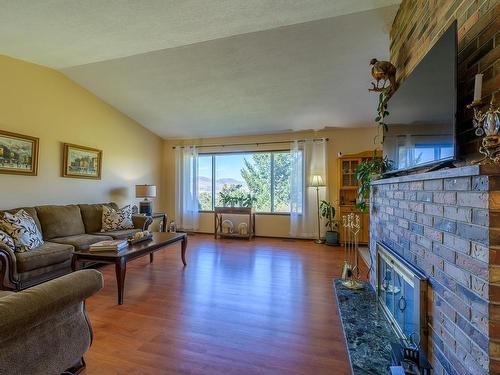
{"type": "Point", "coordinates": [317, 182]}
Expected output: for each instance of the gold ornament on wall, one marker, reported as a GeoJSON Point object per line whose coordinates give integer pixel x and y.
{"type": "Point", "coordinates": [487, 125]}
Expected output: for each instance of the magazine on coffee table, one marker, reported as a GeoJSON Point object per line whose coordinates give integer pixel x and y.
{"type": "Point", "coordinates": [109, 245]}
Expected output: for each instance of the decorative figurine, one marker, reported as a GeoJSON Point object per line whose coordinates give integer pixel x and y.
{"type": "Point", "coordinates": [383, 71]}
{"type": "Point", "coordinates": [227, 226]}
{"type": "Point", "coordinates": [172, 227]}
{"type": "Point", "coordinates": [243, 229]}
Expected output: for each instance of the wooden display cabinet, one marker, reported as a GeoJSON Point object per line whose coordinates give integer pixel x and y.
{"type": "Point", "coordinates": [348, 192]}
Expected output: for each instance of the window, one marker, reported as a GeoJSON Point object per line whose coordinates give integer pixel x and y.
{"type": "Point", "coordinates": [262, 176]}
{"type": "Point", "coordinates": [205, 192]}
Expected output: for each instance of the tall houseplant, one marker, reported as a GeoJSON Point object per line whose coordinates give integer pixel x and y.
{"type": "Point", "coordinates": [365, 172]}
{"type": "Point", "coordinates": [327, 211]}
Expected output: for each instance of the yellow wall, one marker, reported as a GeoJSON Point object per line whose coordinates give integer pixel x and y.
{"type": "Point", "coordinates": [41, 102]}
{"type": "Point", "coordinates": [346, 141]}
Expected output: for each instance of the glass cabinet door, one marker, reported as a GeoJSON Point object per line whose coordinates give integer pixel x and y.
{"type": "Point", "coordinates": [354, 165]}
{"type": "Point", "coordinates": [348, 173]}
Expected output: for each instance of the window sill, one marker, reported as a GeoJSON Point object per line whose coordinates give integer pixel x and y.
{"type": "Point", "coordinates": [257, 213]}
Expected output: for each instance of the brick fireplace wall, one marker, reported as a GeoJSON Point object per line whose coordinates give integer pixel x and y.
{"type": "Point", "coordinates": [420, 23]}
{"type": "Point", "coordinates": [448, 224]}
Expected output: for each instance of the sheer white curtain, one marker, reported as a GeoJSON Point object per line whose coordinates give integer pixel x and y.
{"type": "Point", "coordinates": [309, 158]}
{"type": "Point", "coordinates": [186, 189]}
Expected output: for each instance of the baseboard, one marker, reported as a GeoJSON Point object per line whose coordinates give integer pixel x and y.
{"type": "Point", "coordinates": [260, 236]}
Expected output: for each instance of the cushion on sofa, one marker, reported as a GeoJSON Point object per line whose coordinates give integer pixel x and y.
{"type": "Point", "coordinates": [121, 234]}
{"type": "Point", "coordinates": [30, 210]}
{"type": "Point", "coordinates": [21, 227]}
{"type": "Point", "coordinates": [60, 221]}
{"type": "Point", "coordinates": [92, 216]}
{"type": "Point", "coordinates": [113, 220]}
{"type": "Point", "coordinates": [43, 274]}
{"type": "Point", "coordinates": [45, 255]}
{"type": "Point", "coordinates": [7, 240]}
{"type": "Point", "coordinates": [81, 241]}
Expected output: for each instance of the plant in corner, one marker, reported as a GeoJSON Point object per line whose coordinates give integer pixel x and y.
{"type": "Point", "coordinates": [365, 172]}
{"type": "Point", "coordinates": [327, 211]}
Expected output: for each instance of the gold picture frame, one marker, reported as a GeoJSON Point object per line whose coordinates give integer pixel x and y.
{"type": "Point", "coordinates": [18, 154]}
{"type": "Point", "coordinates": [81, 162]}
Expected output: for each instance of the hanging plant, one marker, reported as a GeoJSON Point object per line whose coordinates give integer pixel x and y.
{"type": "Point", "coordinates": [365, 172]}
{"type": "Point", "coordinates": [382, 113]}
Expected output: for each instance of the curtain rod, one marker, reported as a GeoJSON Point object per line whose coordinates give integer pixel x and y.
{"type": "Point", "coordinates": [254, 143]}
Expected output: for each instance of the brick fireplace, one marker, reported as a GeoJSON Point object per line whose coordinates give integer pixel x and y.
{"type": "Point", "coordinates": [447, 223]}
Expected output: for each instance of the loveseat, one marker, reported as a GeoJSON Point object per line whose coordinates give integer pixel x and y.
{"type": "Point", "coordinates": [44, 330]}
{"type": "Point", "coordinates": [64, 229]}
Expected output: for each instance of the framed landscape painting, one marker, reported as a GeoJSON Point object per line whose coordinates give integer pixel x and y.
{"type": "Point", "coordinates": [81, 162]}
{"type": "Point", "coordinates": [18, 154]}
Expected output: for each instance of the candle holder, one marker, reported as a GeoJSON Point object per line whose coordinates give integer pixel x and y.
{"type": "Point", "coordinates": [487, 124]}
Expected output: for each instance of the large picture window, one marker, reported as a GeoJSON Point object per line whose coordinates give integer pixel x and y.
{"type": "Point", "coordinates": [264, 175]}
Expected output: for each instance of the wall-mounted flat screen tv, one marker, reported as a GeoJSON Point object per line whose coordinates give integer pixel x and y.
{"type": "Point", "coordinates": [421, 124]}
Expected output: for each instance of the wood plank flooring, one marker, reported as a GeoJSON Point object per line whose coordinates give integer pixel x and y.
{"type": "Point", "coordinates": [239, 307]}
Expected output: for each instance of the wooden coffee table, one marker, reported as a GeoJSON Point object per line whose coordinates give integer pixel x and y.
{"type": "Point", "coordinates": [120, 259]}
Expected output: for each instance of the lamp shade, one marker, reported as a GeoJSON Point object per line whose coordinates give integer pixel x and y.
{"type": "Point", "coordinates": [317, 181]}
{"type": "Point", "coordinates": [145, 191]}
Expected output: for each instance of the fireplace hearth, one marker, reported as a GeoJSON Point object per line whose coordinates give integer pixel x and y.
{"type": "Point", "coordinates": [373, 343]}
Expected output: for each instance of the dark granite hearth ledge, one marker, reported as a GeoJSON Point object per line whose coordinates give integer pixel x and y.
{"type": "Point", "coordinates": [367, 332]}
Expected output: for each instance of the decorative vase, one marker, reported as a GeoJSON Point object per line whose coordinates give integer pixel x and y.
{"type": "Point", "coordinates": [243, 229]}
{"type": "Point", "coordinates": [227, 226]}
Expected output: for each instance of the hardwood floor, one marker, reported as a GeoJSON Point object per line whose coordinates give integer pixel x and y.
{"type": "Point", "coordinates": [239, 307]}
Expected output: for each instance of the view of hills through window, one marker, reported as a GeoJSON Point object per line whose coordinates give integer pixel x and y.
{"type": "Point", "coordinates": [236, 179]}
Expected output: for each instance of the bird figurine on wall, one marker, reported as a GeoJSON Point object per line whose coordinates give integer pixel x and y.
{"type": "Point", "coordinates": [383, 71]}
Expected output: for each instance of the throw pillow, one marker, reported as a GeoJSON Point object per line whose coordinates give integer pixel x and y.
{"type": "Point", "coordinates": [23, 230]}
{"type": "Point", "coordinates": [116, 219]}
{"type": "Point", "coordinates": [7, 240]}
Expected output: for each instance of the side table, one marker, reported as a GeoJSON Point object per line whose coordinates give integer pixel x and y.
{"type": "Point", "coordinates": [161, 216]}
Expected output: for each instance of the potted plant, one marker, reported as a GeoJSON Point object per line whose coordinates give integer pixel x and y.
{"type": "Point", "coordinates": [327, 211]}
{"type": "Point", "coordinates": [365, 172]}
{"type": "Point", "coordinates": [234, 196]}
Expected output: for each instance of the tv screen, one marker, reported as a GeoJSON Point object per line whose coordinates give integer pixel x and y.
{"type": "Point", "coordinates": [421, 123]}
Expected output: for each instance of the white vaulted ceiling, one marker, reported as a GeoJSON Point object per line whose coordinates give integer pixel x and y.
{"type": "Point", "coordinates": [198, 68]}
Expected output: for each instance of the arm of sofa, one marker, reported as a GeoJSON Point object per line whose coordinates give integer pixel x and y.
{"type": "Point", "coordinates": [141, 222]}
{"type": "Point", "coordinates": [8, 269]}
{"type": "Point", "coordinates": [27, 309]}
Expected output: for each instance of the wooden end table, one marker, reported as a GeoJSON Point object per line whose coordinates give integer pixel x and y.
{"type": "Point", "coordinates": [120, 259]}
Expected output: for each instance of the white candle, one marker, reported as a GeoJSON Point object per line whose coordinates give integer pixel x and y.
{"type": "Point", "coordinates": [478, 86]}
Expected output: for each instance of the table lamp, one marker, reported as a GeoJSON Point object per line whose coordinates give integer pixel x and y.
{"type": "Point", "coordinates": [317, 182]}
{"type": "Point", "coordinates": [145, 191]}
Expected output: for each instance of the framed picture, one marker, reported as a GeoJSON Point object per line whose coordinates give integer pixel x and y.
{"type": "Point", "coordinates": [81, 162]}
{"type": "Point", "coordinates": [18, 154]}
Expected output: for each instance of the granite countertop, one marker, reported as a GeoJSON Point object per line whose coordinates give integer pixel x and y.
{"type": "Point", "coordinates": [367, 331]}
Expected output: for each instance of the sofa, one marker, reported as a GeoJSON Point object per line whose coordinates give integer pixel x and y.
{"type": "Point", "coordinates": [64, 229]}
{"type": "Point", "coordinates": [44, 330]}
